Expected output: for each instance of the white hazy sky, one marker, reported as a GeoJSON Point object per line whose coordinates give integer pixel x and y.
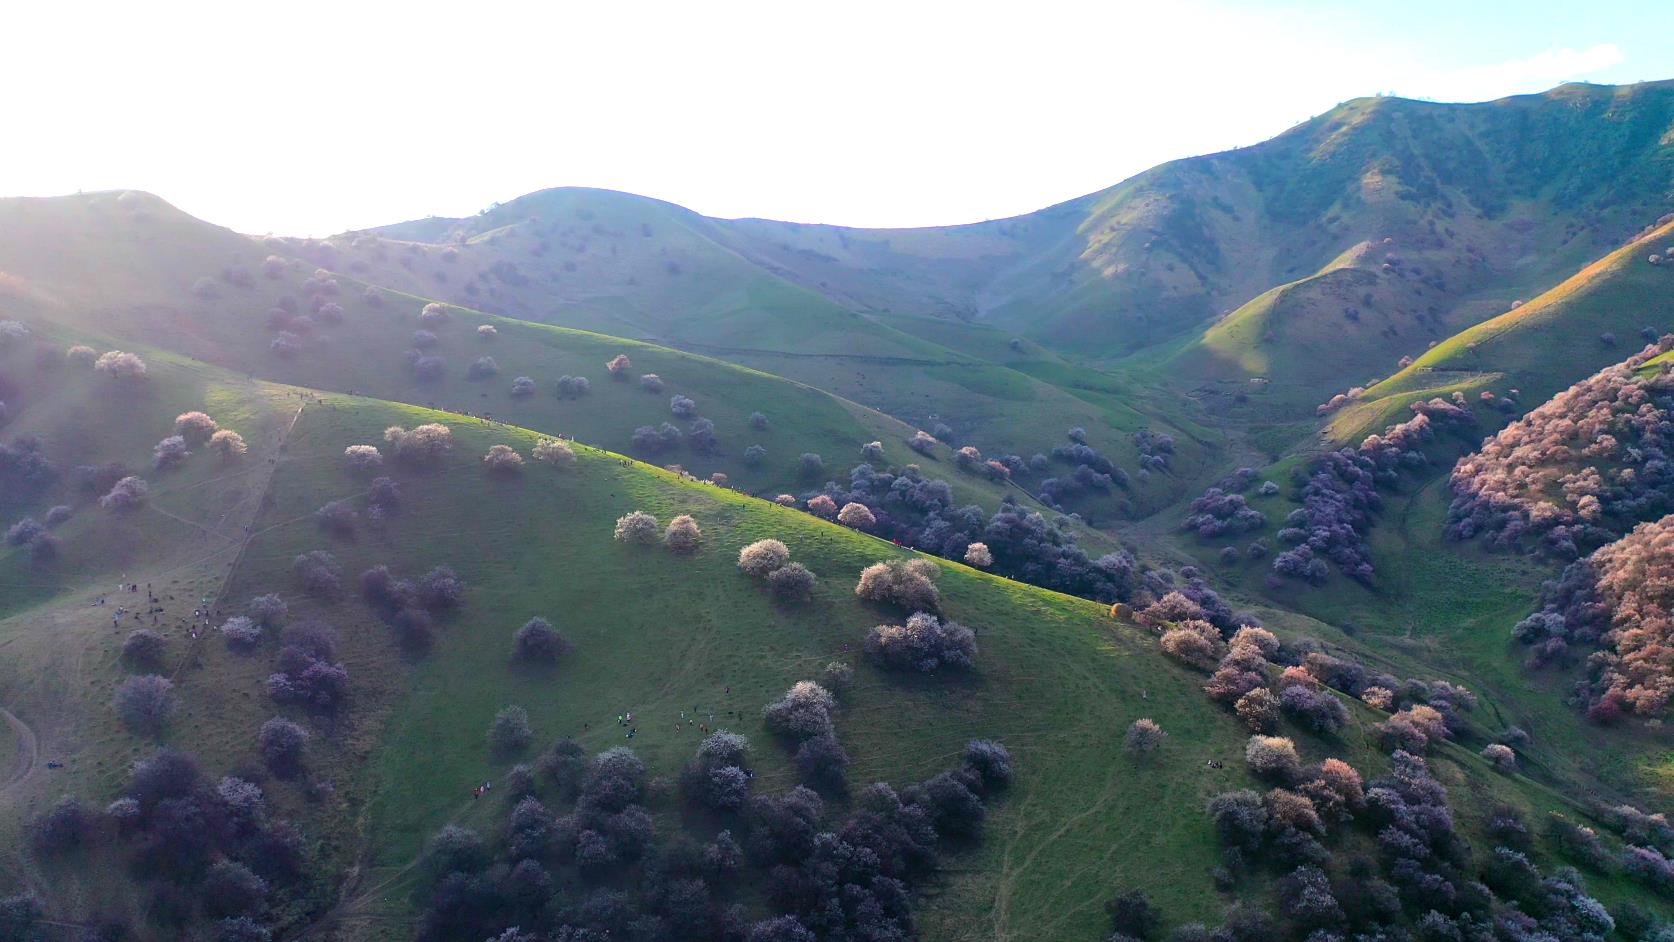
{"type": "Point", "coordinates": [306, 118]}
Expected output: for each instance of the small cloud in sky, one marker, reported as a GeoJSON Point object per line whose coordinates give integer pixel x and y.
{"type": "Point", "coordinates": [1534, 73]}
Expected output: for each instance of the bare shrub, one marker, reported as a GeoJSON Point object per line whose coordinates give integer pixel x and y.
{"type": "Point", "coordinates": [619, 366]}
{"type": "Point", "coordinates": [978, 555]}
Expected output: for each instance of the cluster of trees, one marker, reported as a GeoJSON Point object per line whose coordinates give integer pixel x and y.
{"type": "Point", "coordinates": [1094, 471]}
{"type": "Point", "coordinates": [920, 512]}
{"type": "Point", "coordinates": [307, 672]}
{"type": "Point", "coordinates": [25, 468]}
{"type": "Point", "coordinates": [1579, 470]}
{"type": "Point", "coordinates": [1340, 494]}
{"type": "Point", "coordinates": [1618, 600]}
{"type": "Point", "coordinates": [410, 606]}
{"type": "Point", "coordinates": [1242, 662]}
{"type": "Point", "coordinates": [769, 560]}
{"type": "Point", "coordinates": [579, 858]}
{"type": "Point", "coordinates": [1428, 881]}
{"type": "Point", "coordinates": [202, 850]}
{"type": "Point", "coordinates": [1223, 509]}
{"type": "Point", "coordinates": [683, 535]}
{"type": "Point", "coordinates": [422, 445]}
{"type": "Point", "coordinates": [925, 644]}
{"type": "Point", "coordinates": [37, 535]}
{"type": "Point", "coordinates": [803, 717]}
{"type": "Point", "coordinates": [1155, 449]}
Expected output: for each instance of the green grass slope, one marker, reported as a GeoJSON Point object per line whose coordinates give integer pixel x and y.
{"type": "Point", "coordinates": [1542, 346]}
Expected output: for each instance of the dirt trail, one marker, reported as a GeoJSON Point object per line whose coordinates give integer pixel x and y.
{"type": "Point", "coordinates": [28, 751]}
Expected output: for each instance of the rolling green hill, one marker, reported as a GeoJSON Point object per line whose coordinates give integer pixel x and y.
{"type": "Point", "coordinates": [1056, 679]}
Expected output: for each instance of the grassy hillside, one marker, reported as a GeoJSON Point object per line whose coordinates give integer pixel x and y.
{"type": "Point", "coordinates": [636, 267]}
{"type": "Point", "coordinates": [144, 293]}
{"type": "Point", "coordinates": [1589, 321]}
{"type": "Point", "coordinates": [655, 632]}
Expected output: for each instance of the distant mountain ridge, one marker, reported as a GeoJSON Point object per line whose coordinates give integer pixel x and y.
{"type": "Point", "coordinates": [1523, 188]}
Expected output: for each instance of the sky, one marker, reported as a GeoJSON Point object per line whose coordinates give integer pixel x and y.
{"type": "Point", "coordinates": [308, 118]}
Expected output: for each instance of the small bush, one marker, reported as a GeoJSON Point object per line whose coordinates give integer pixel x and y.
{"type": "Point", "coordinates": [241, 633]}
{"type": "Point", "coordinates": [119, 364]}
{"type": "Point", "coordinates": [503, 460]}
{"type": "Point", "coordinates": [363, 457]}
{"type": "Point", "coordinates": [792, 582]}
{"type": "Point", "coordinates": [510, 732]}
{"type": "Point", "coordinates": [1144, 737]}
{"type": "Point", "coordinates": [194, 427]}
{"type": "Point", "coordinates": [762, 557]}
{"type": "Point", "coordinates": [170, 453]}
{"type": "Point", "coordinates": [638, 527]}
{"type": "Point", "coordinates": [978, 555]}
{"type": "Point", "coordinates": [143, 648]}
{"type": "Point", "coordinates": [683, 534]}
{"type": "Point", "coordinates": [537, 642]}
{"type": "Point", "coordinates": [1502, 757]}
{"type": "Point", "coordinates": [269, 611]}
{"type": "Point", "coordinates": [282, 745]}
{"type": "Point", "coordinates": [145, 703]}
{"type": "Point", "coordinates": [555, 454]}
{"type": "Point", "coordinates": [228, 444]}
{"type": "Point", "coordinates": [1273, 757]}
